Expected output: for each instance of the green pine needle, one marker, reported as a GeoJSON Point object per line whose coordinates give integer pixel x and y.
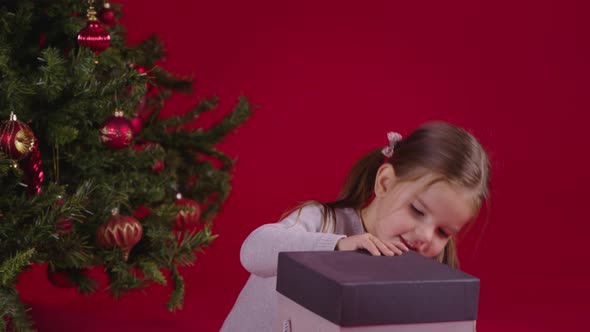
{"type": "Point", "coordinates": [177, 297]}
{"type": "Point", "coordinates": [12, 266]}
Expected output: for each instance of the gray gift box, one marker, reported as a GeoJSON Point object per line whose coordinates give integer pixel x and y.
{"type": "Point", "coordinates": [351, 289]}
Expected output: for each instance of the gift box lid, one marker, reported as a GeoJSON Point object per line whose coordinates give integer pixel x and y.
{"type": "Point", "coordinates": [353, 288]}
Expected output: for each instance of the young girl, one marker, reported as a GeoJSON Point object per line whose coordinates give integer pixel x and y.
{"type": "Point", "coordinates": [414, 194]}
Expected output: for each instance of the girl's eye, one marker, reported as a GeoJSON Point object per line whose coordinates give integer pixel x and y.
{"type": "Point", "coordinates": [416, 211]}
{"type": "Point", "coordinates": [443, 233]}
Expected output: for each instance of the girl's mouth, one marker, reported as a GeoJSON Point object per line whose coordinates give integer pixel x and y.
{"type": "Point", "coordinates": [407, 244]}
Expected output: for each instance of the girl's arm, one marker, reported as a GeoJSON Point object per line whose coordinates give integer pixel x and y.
{"type": "Point", "coordinates": [297, 232]}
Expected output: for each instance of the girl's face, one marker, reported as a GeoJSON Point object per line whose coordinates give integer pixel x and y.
{"type": "Point", "coordinates": [422, 216]}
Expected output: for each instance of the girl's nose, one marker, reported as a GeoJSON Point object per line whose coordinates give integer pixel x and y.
{"type": "Point", "coordinates": [423, 237]}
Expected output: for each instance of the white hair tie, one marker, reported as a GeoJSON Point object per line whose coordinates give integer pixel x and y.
{"type": "Point", "coordinates": [393, 138]}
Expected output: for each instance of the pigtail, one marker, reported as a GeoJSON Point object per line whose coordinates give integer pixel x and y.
{"type": "Point", "coordinates": [357, 190]}
{"type": "Point", "coordinates": [359, 184]}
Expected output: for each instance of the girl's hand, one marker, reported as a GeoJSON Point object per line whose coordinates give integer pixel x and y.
{"type": "Point", "coordinates": [372, 244]}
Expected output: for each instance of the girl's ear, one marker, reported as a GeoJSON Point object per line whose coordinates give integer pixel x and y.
{"type": "Point", "coordinates": [385, 179]}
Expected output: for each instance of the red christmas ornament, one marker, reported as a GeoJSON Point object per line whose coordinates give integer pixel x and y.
{"type": "Point", "coordinates": [16, 138]}
{"type": "Point", "coordinates": [93, 35]}
{"type": "Point", "coordinates": [136, 125]}
{"type": "Point", "coordinates": [140, 69]}
{"type": "Point", "coordinates": [120, 231]}
{"type": "Point", "coordinates": [34, 174]}
{"type": "Point", "coordinates": [116, 132]}
{"type": "Point", "coordinates": [62, 278]}
{"type": "Point", "coordinates": [107, 15]}
{"type": "Point", "coordinates": [190, 214]}
{"type": "Point", "coordinates": [140, 116]}
{"type": "Point", "coordinates": [141, 212]}
{"type": "Point", "coordinates": [144, 71]}
{"type": "Point", "coordinates": [158, 164]}
{"type": "Point", "coordinates": [59, 278]}
{"type": "Point", "coordinates": [142, 113]}
{"type": "Point", "coordinates": [64, 226]}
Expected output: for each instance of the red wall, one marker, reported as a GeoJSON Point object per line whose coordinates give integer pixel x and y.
{"type": "Point", "coordinates": [330, 80]}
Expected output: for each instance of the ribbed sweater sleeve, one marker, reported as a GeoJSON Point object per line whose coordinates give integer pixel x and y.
{"type": "Point", "coordinates": [300, 231]}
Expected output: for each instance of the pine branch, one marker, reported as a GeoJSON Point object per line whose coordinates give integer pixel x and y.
{"type": "Point", "coordinates": [11, 267]}
{"type": "Point", "coordinates": [5, 68]}
{"type": "Point", "coordinates": [84, 284]}
{"type": "Point", "coordinates": [81, 69]}
{"type": "Point", "coordinates": [148, 51]}
{"type": "Point", "coordinates": [177, 296]}
{"type": "Point", "coordinates": [170, 81]}
{"type": "Point", "coordinates": [188, 242]}
{"type": "Point", "coordinates": [230, 122]}
{"type": "Point", "coordinates": [152, 272]}
{"type": "Point", "coordinates": [13, 312]}
{"type": "Point", "coordinates": [121, 278]}
{"type": "Point", "coordinates": [5, 164]}
{"type": "Point", "coordinates": [204, 140]}
{"type": "Point", "coordinates": [176, 121]}
{"type": "Point", "coordinates": [53, 73]}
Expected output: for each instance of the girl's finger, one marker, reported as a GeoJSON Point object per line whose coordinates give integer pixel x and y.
{"type": "Point", "coordinates": [399, 244]}
{"type": "Point", "coordinates": [394, 248]}
{"type": "Point", "coordinates": [383, 247]}
{"type": "Point", "coordinates": [370, 246]}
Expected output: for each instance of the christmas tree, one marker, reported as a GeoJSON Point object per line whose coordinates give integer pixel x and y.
{"type": "Point", "coordinates": [92, 175]}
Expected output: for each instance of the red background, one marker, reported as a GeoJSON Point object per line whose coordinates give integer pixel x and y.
{"type": "Point", "coordinates": [330, 79]}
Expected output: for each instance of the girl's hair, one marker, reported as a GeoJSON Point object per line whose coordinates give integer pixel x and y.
{"type": "Point", "coordinates": [439, 148]}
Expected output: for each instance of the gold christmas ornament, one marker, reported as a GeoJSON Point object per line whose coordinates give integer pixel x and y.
{"type": "Point", "coordinates": [16, 138]}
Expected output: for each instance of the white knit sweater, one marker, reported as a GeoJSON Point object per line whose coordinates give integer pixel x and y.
{"type": "Point", "coordinates": [255, 309]}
